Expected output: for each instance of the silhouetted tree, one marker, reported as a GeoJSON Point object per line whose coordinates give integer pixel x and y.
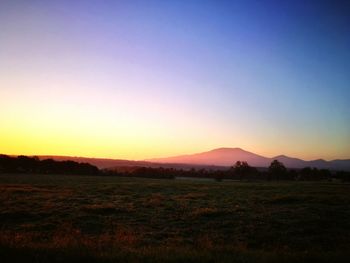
{"type": "Point", "coordinates": [243, 170]}
{"type": "Point", "coordinates": [277, 170]}
{"type": "Point", "coordinates": [7, 164]}
{"type": "Point", "coordinates": [27, 164]}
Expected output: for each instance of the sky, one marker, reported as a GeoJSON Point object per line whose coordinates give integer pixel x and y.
{"type": "Point", "coordinates": [142, 79]}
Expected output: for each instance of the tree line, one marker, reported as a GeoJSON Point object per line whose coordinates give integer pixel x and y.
{"type": "Point", "coordinates": [25, 164]}
{"type": "Point", "coordinates": [241, 170]}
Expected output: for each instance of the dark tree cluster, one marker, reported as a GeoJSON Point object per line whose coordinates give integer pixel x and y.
{"type": "Point", "coordinates": [308, 173]}
{"type": "Point", "coordinates": [240, 171]}
{"type": "Point", "coordinates": [25, 164]}
{"type": "Point", "coordinates": [243, 169]}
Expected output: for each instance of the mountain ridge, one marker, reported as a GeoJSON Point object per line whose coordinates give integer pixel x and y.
{"type": "Point", "coordinates": [214, 159]}
{"type": "Point", "coordinates": [225, 156]}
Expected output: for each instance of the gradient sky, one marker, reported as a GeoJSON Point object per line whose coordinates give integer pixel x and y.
{"type": "Point", "coordinates": [139, 79]}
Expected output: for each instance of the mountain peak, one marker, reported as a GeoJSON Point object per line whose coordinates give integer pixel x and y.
{"type": "Point", "coordinates": [223, 156]}
{"type": "Point", "coordinates": [319, 161]}
{"type": "Point", "coordinates": [226, 156]}
{"type": "Point", "coordinates": [228, 149]}
{"type": "Point", "coordinates": [282, 156]}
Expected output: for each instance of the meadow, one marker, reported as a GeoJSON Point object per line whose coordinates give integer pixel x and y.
{"type": "Point", "coordinates": [61, 218]}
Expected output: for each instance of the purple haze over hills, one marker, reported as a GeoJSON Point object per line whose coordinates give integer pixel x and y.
{"type": "Point", "coordinates": [228, 156]}
{"type": "Point", "coordinates": [214, 159]}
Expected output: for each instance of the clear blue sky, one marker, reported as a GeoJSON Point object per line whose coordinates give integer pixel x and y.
{"type": "Point", "coordinates": [170, 77]}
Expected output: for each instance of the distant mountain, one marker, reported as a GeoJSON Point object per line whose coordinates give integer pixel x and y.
{"type": "Point", "coordinates": [219, 158]}
{"type": "Point", "coordinates": [228, 156]}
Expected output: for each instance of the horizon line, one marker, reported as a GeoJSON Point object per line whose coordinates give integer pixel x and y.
{"type": "Point", "coordinates": [184, 154]}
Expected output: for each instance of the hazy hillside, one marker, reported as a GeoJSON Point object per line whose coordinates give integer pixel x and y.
{"type": "Point", "coordinates": [214, 159]}
{"type": "Point", "coordinates": [228, 156]}
{"type": "Point", "coordinates": [99, 162]}
{"type": "Point", "coordinates": [123, 165]}
{"type": "Point", "coordinates": [221, 156]}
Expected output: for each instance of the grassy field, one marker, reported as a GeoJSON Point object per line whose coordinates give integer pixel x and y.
{"type": "Point", "coordinates": [48, 218]}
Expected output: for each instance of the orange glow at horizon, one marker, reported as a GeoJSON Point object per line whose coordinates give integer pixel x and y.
{"type": "Point", "coordinates": [139, 79]}
{"type": "Point", "coordinates": [81, 137]}
{"type": "Point", "coordinates": [48, 122]}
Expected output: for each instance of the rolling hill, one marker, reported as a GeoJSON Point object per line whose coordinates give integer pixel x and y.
{"type": "Point", "coordinates": [228, 156]}
{"type": "Point", "coordinates": [215, 159]}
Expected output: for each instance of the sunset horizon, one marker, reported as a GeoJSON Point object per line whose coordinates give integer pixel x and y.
{"type": "Point", "coordinates": [174, 131]}
{"type": "Point", "coordinates": [139, 80]}
{"type": "Point", "coordinates": [121, 157]}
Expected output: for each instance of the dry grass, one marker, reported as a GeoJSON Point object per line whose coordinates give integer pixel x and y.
{"type": "Point", "coordinates": [62, 218]}
{"type": "Point", "coordinates": [205, 211]}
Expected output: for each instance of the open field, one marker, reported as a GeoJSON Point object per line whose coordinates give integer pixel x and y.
{"type": "Point", "coordinates": [48, 218]}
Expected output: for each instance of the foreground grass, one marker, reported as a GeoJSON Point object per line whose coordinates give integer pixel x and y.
{"type": "Point", "coordinates": [109, 219]}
